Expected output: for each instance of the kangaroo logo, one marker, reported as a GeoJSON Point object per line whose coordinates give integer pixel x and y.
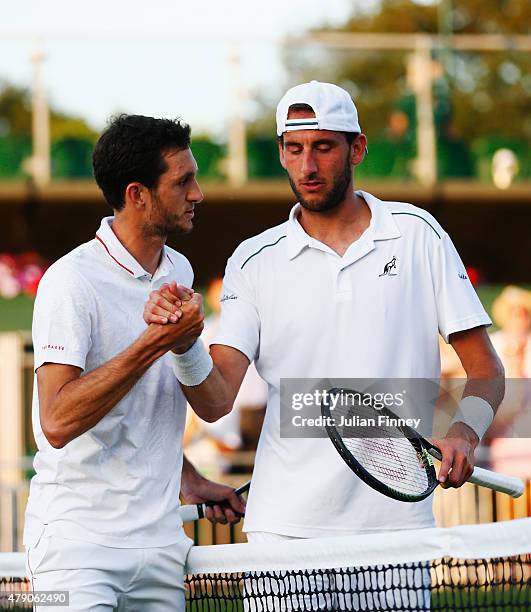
{"type": "Point", "coordinates": [389, 267]}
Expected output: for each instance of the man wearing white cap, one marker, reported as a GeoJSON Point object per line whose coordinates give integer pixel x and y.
{"type": "Point", "coordinates": [349, 286]}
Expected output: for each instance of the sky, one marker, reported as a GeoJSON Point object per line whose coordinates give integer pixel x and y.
{"type": "Point", "coordinates": [164, 58]}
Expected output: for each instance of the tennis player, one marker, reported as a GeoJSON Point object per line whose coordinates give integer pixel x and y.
{"type": "Point", "coordinates": [102, 519]}
{"type": "Point", "coordinates": [348, 287]}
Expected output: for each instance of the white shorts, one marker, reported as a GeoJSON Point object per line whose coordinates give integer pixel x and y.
{"type": "Point", "coordinates": [104, 579]}
{"type": "Point", "coordinates": [336, 590]}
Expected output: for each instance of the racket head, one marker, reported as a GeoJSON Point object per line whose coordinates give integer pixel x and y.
{"type": "Point", "coordinates": [397, 464]}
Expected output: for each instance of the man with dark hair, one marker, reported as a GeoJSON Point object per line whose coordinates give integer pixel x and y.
{"type": "Point", "coordinates": [108, 412]}
{"type": "Point", "coordinates": [348, 287]}
{"type": "Point", "coordinates": [130, 149]}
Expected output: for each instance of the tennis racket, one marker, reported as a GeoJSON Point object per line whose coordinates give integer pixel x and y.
{"type": "Point", "coordinates": [393, 459]}
{"type": "Point", "coordinates": [194, 512]}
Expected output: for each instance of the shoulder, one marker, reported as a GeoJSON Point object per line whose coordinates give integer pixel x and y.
{"type": "Point", "coordinates": [181, 263]}
{"type": "Point", "coordinates": [71, 269]}
{"type": "Point", "coordinates": [265, 244]}
{"type": "Point", "coordinates": [414, 219]}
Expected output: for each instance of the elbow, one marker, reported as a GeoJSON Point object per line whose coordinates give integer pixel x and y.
{"type": "Point", "coordinates": [216, 412]}
{"type": "Point", "coordinates": [220, 412]}
{"type": "Point", "coordinates": [497, 370]}
{"type": "Point", "coordinates": [54, 434]}
{"type": "Point", "coordinates": [56, 441]}
{"type": "Point", "coordinates": [500, 370]}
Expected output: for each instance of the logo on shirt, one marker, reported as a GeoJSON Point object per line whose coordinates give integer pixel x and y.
{"type": "Point", "coordinates": [463, 275]}
{"type": "Point", "coordinates": [390, 268]}
{"type": "Point", "coordinates": [54, 347]}
{"type": "Point", "coordinates": [228, 296]}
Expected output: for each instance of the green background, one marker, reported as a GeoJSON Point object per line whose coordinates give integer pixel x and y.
{"type": "Point", "coordinates": [15, 314]}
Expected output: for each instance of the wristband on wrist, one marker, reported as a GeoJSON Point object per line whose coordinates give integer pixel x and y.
{"type": "Point", "coordinates": [475, 412]}
{"type": "Point", "coordinates": [191, 368]}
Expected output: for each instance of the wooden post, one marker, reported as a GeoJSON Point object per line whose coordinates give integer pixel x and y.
{"type": "Point", "coordinates": [11, 431]}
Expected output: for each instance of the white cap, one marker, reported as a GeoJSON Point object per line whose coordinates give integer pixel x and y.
{"type": "Point", "coordinates": [333, 107]}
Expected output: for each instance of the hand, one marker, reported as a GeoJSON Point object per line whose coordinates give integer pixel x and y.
{"type": "Point", "coordinates": [180, 337]}
{"type": "Point", "coordinates": [457, 450]}
{"type": "Point", "coordinates": [200, 490]}
{"type": "Point", "coordinates": [164, 304]}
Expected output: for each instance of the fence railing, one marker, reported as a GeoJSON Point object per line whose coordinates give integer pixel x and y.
{"type": "Point", "coordinates": [467, 505]}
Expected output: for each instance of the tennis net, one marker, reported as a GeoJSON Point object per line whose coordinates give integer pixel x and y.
{"type": "Point", "coordinates": [473, 567]}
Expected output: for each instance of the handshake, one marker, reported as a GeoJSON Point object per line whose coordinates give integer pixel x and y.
{"type": "Point", "coordinates": [173, 303]}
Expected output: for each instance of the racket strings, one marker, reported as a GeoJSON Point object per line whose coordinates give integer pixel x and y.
{"type": "Point", "coordinates": [381, 449]}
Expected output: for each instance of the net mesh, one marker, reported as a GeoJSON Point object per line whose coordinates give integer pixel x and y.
{"type": "Point", "coordinates": [480, 567]}
{"type": "Point", "coordinates": [447, 584]}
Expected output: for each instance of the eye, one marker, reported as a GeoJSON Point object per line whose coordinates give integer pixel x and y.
{"type": "Point", "coordinates": [323, 147]}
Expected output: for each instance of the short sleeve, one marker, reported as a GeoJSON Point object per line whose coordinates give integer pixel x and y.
{"type": "Point", "coordinates": [62, 319]}
{"type": "Point", "coordinates": [458, 306]}
{"type": "Point", "coordinates": [240, 324]}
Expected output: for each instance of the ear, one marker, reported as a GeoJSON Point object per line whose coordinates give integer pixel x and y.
{"type": "Point", "coordinates": [357, 149]}
{"type": "Point", "coordinates": [281, 154]}
{"type": "Point", "coordinates": [135, 193]}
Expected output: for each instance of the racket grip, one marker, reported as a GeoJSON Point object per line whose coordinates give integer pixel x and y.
{"type": "Point", "coordinates": [498, 482]}
{"type": "Point", "coordinates": [192, 512]}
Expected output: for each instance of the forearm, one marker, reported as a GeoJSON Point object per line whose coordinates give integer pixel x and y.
{"type": "Point", "coordinates": [189, 479]}
{"type": "Point", "coordinates": [81, 403]}
{"type": "Point", "coordinates": [484, 370]}
{"type": "Point", "coordinates": [213, 398]}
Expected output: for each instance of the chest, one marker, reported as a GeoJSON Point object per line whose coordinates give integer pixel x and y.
{"type": "Point", "coordinates": [314, 290]}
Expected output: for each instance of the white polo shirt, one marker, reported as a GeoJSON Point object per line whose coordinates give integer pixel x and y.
{"type": "Point", "coordinates": [117, 484]}
{"type": "Point", "coordinates": [301, 311]}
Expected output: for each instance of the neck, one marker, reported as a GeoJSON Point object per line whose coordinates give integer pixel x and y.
{"type": "Point", "coordinates": [339, 227]}
{"type": "Point", "coordinates": [147, 250]}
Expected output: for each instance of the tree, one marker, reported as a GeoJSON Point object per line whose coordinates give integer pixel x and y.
{"type": "Point", "coordinates": [72, 138]}
{"type": "Point", "coordinates": [481, 98]}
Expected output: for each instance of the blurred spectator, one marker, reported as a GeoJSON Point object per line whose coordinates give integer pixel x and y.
{"type": "Point", "coordinates": [20, 274]}
{"type": "Point", "coordinates": [512, 313]}
{"type": "Point", "coordinates": [209, 445]}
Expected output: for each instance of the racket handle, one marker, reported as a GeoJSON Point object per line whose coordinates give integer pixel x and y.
{"type": "Point", "coordinates": [191, 512]}
{"type": "Point", "coordinates": [491, 480]}
{"type": "Point", "coordinates": [498, 482]}
{"type": "Point", "coordinates": [194, 512]}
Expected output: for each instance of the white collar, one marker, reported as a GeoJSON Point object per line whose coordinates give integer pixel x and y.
{"type": "Point", "coordinates": [381, 227]}
{"type": "Point", "coordinates": [121, 256]}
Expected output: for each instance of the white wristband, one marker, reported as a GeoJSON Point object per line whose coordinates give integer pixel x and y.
{"type": "Point", "coordinates": [191, 368]}
{"type": "Point", "coordinates": [476, 413]}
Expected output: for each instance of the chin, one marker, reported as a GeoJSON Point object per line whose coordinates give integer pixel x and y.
{"type": "Point", "coordinates": [184, 228]}
{"type": "Point", "coordinates": [316, 205]}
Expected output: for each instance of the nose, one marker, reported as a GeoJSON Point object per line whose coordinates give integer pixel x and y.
{"type": "Point", "coordinates": [195, 194]}
{"type": "Point", "coordinates": [309, 165]}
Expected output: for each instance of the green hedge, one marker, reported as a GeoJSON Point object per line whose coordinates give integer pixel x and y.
{"type": "Point", "coordinates": [16, 313]}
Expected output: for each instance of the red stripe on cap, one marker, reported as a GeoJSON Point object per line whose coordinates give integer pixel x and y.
{"type": "Point", "coordinates": [112, 257]}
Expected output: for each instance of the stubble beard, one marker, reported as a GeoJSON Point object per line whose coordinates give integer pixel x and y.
{"type": "Point", "coordinates": [165, 227]}
{"type": "Point", "coordinates": [331, 199]}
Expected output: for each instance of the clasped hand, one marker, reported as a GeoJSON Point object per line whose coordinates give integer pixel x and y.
{"type": "Point", "coordinates": [173, 304]}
